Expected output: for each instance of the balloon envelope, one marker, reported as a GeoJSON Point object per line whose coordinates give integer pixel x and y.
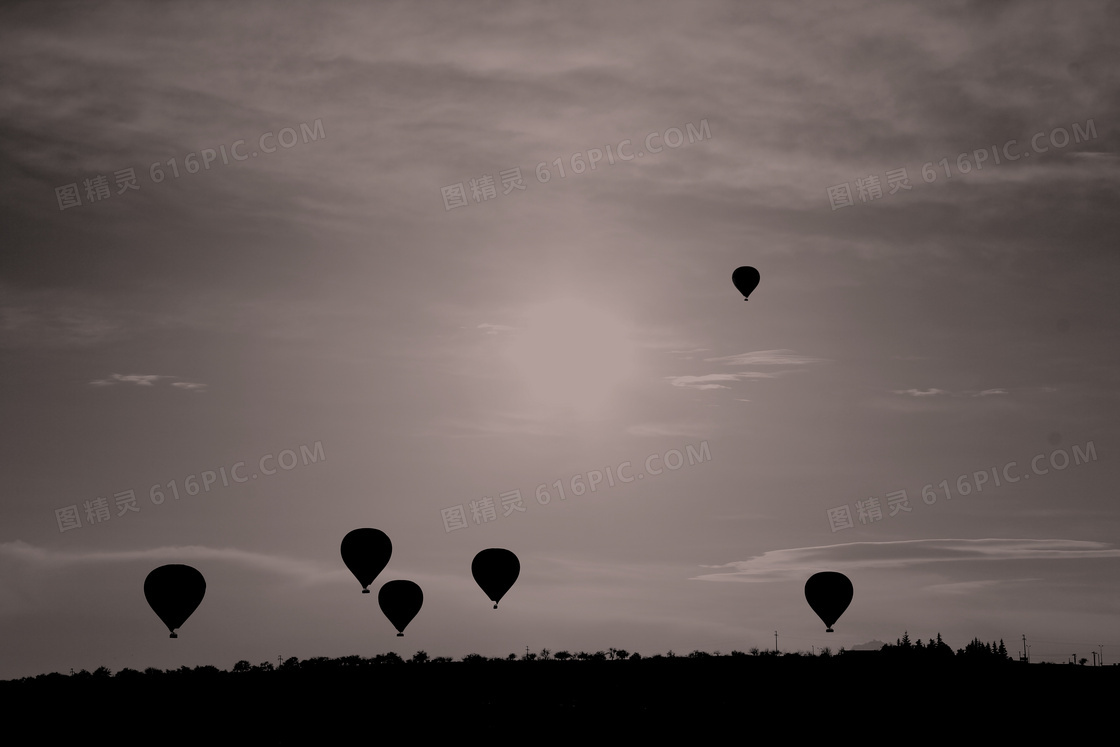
{"type": "Point", "coordinates": [829, 593]}
{"type": "Point", "coordinates": [495, 570]}
{"type": "Point", "coordinates": [366, 552]}
{"type": "Point", "coordinates": [746, 280]}
{"type": "Point", "coordinates": [400, 601]}
{"type": "Point", "coordinates": [174, 592]}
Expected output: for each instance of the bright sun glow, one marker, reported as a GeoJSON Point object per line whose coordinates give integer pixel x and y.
{"type": "Point", "coordinates": [572, 355]}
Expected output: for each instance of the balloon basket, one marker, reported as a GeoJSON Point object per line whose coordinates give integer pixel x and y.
{"type": "Point", "coordinates": [173, 635]}
{"type": "Point", "coordinates": [365, 591]}
{"type": "Point", "coordinates": [400, 635]}
{"type": "Point", "coordinates": [829, 630]}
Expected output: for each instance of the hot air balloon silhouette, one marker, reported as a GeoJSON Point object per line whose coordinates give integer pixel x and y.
{"type": "Point", "coordinates": [366, 553]}
{"type": "Point", "coordinates": [400, 601]}
{"type": "Point", "coordinates": [495, 570]}
{"type": "Point", "coordinates": [746, 280]}
{"type": "Point", "coordinates": [829, 593]}
{"type": "Point", "coordinates": [174, 592]}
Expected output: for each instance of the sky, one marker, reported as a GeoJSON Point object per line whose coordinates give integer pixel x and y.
{"type": "Point", "coordinates": [270, 274]}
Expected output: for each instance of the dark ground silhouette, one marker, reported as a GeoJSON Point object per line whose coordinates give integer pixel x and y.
{"type": "Point", "coordinates": [904, 690]}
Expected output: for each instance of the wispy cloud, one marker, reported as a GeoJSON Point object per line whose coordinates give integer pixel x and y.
{"type": "Point", "coordinates": [298, 569]}
{"type": "Point", "coordinates": [933, 392]}
{"type": "Point", "coordinates": [138, 379]}
{"type": "Point", "coordinates": [708, 381]}
{"type": "Point", "coordinates": [494, 329]}
{"type": "Point", "coordinates": [780, 565]}
{"type": "Point", "coordinates": [146, 380]}
{"type": "Point", "coordinates": [767, 358]}
{"type": "Point", "coordinates": [756, 358]}
{"type": "Point", "coordinates": [59, 326]}
{"type": "Point", "coordinates": [189, 385]}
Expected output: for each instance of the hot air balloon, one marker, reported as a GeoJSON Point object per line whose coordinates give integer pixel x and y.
{"type": "Point", "coordinates": [400, 601]}
{"type": "Point", "coordinates": [366, 553]}
{"type": "Point", "coordinates": [746, 280]}
{"type": "Point", "coordinates": [174, 592]}
{"type": "Point", "coordinates": [495, 570]}
{"type": "Point", "coordinates": [829, 593]}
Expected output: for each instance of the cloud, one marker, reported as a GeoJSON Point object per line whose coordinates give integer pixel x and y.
{"type": "Point", "coordinates": [138, 379]}
{"type": "Point", "coordinates": [297, 569]}
{"type": "Point", "coordinates": [990, 392]}
{"type": "Point", "coordinates": [757, 358]}
{"type": "Point", "coordinates": [780, 565]}
{"type": "Point", "coordinates": [63, 324]}
{"type": "Point", "coordinates": [146, 380]}
{"type": "Point", "coordinates": [968, 587]}
{"type": "Point", "coordinates": [708, 380]}
{"type": "Point", "coordinates": [493, 329]}
{"type": "Point", "coordinates": [767, 358]}
{"type": "Point", "coordinates": [188, 385]}
{"type": "Point", "coordinates": [919, 392]}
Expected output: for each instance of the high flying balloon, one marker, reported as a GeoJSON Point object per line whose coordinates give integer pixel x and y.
{"type": "Point", "coordinates": [829, 593]}
{"type": "Point", "coordinates": [400, 601]}
{"type": "Point", "coordinates": [366, 552]}
{"type": "Point", "coordinates": [495, 570]}
{"type": "Point", "coordinates": [746, 280]}
{"type": "Point", "coordinates": [174, 592]}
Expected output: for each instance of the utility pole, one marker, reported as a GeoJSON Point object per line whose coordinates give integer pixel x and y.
{"type": "Point", "coordinates": [1094, 655]}
{"type": "Point", "coordinates": [775, 641]}
{"type": "Point", "coordinates": [526, 653]}
{"type": "Point", "coordinates": [1101, 647]}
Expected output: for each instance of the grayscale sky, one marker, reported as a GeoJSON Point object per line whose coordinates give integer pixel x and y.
{"type": "Point", "coordinates": [319, 267]}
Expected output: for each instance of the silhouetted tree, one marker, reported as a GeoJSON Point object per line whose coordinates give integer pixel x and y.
{"type": "Point", "coordinates": [419, 657]}
{"type": "Point", "coordinates": [562, 655]}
